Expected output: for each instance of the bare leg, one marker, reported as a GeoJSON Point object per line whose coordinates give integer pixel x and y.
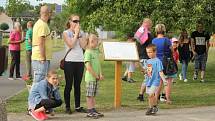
{"type": "Point", "coordinates": [168, 89]}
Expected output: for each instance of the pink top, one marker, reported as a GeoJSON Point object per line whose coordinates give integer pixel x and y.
{"type": "Point", "coordinates": [15, 36]}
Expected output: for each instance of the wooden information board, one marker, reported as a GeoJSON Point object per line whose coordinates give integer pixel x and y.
{"type": "Point", "coordinates": [119, 51]}
{"type": "Point", "coordinates": [116, 51]}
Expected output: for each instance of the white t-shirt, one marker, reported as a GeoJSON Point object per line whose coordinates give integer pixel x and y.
{"type": "Point", "coordinates": [76, 54]}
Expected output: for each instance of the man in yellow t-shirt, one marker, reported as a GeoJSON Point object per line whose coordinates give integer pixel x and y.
{"type": "Point", "coordinates": [41, 45]}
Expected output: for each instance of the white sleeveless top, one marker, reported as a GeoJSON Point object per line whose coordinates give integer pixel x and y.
{"type": "Point", "coordinates": [76, 54]}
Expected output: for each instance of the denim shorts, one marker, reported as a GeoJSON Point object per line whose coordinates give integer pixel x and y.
{"type": "Point", "coordinates": [200, 62]}
{"type": "Point", "coordinates": [40, 70]}
{"type": "Point", "coordinates": [130, 66]}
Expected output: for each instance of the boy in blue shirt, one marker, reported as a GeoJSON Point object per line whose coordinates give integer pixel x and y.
{"type": "Point", "coordinates": [153, 77]}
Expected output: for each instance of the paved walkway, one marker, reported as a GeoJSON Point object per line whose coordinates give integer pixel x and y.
{"type": "Point", "coordinates": [9, 88]}
{"type": "Point", "coordinates": [187, 114]}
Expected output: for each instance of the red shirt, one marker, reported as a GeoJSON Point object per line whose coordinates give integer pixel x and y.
{"type": "Point", "coordinates": [176, 55]}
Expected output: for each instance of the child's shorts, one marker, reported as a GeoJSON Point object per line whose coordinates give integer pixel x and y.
{"type": "Point", "coordinates": [151, 90]}
{"type": "Point", "coordinates": [91, 88]}
{"type": "Point", "coordinates": [130, 66]}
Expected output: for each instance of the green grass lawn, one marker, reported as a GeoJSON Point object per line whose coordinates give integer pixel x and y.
{"type": "Point", "coordinates": [190, 94]}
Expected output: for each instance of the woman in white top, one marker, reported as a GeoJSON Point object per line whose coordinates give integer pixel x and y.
{"type": "Point", "coordinates": [74, 62]}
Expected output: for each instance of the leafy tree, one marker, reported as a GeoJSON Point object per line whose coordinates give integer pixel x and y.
{"type": "Point", "coordinates": [1, 9]}
{"type": "Point", "coordinates": [125, 16]}
{"type": "Point", "coordinates": [14, 7]}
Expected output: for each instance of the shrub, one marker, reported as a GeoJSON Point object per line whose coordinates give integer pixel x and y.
{"type": "Point", "coordinates": [4, 26]}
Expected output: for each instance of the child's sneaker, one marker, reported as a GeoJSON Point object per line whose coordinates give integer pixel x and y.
{"type": "Point", "coordinates": [99, 114]}
{"type": "Point", "coordinates": [194, 77]}
{"type": "Point", "coordinates": [202, 80]}
{"type": "Point", "coordinates": [93, 115]}
{"type": "Point", "coordinates": [180, 77]}
{"type": "Point", "coordinates": [130, 80]}
{"type": "Point", "coordinates": [149, 111]}
{"type": "Point", "coordinates": [124, 78]}
{"type": "Point", "coordinates": [185, 80]}
{"type": "Point", "coordinates": [154, 109]}
{"type": "Point", "coordinates": [162, 97]}
{"type": "Point", "coordinates": [43, 115]}
{"type": "Point", "coordinates": [140, 97]}
{"type": "Point", "coordinates": [36, 115]}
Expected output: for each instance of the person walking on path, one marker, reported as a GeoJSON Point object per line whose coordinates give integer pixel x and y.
{"type": "Point", "coordinates": [184, 54]}
{"type": "Point", "coordinates": [44, 96]}
{"type": "Point", "coordinates": [200, 47]}
{"type": "Point", "coordinates": [153, 76]}
{"type": "Point", "coordinates": [15, 41]}
{"type": "Point", "coordinates": [41, 45]}
{"type": "Point", "coordinates": [130, 65]}
{"type": "Point", "coordinates": [93, 75]}
{"type": "Point", "coordinates": [28, 47]}
{"type": "Point", "coordinates": [164, 46]}
{"type": "Point", "coordinates": [143, 56]}
{"type": "Point", "coordinates": [74, 62]}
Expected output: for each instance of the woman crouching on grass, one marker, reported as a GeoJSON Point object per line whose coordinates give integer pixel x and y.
{"type": "Point", "coordinates": [44, 96]}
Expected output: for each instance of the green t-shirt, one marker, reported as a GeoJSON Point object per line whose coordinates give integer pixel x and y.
{"type": "Point", "coordinates": [27, 36]}
{"type": "Point", "coordinates": [92, 57]}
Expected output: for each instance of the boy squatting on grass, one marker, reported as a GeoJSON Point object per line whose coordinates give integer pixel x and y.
{"type": "Point", "coordinates": [93, 74]}
{"type": "Point", "coordinates": [44, 96]}
{"type": "Point", "coordinates": [153, 77]}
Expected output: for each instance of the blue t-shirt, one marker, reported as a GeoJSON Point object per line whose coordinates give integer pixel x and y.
{"type": "Point", "coordinates": [154, 66]}
{"type": "Point", "coordinates": [160, 42]}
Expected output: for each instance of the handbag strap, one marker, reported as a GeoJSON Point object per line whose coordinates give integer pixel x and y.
{"type": "Point", "coordinates": [67, 53]}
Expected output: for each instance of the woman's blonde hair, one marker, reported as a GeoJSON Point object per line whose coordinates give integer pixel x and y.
{"type": "Point", "coordinates": [17, 24]}
{"type": "Point", "coordinates": [147, 20]}
{"type": "Point", "coordinates": [160, 29]}
{"type": "Point", "coordinates": [70, 18]}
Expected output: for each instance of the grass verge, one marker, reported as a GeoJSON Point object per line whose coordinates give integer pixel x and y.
{"type": "Point", "coordinates": [190, 94]}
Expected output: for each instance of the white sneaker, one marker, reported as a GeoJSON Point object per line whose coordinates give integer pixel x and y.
{"type": "Point", "coordinates": [162, 99]}
{"type": "Point", "coordinates": [202, 81]}
{"type": "Point", "coordinates": [18, 78]}
{"type": "Point", "coordinates": [185, 80]}
{"type": "Point", "coordinates": [10, 78]}
{"type": "Point", "coordinates": [180, 77]}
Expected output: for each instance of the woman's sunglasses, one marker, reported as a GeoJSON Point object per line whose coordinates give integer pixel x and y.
{"type": "Point", "coordinates": [76, 21]}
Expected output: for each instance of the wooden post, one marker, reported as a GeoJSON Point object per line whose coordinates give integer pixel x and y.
{"type": "Point", "coordinates": [118, 84]}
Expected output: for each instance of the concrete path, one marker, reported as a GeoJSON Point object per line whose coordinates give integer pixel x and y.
{"type": "Point", "coordinates": [187, 114]}
{"type": "Point", "coordinates": [9, 88]}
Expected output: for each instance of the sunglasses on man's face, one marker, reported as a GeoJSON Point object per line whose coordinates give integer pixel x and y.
{"type": "Point", "coordinates": [76, 21]}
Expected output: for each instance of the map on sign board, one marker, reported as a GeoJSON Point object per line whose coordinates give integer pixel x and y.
{"type": "Point", "coordinates": [126, 51]}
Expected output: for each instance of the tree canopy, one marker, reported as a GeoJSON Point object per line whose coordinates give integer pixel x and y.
{"type": "Point", "coordinates": [126, 15]}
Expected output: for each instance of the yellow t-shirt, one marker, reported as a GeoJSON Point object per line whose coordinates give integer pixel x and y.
{"type": "Point", "coordinates": [41, 29]}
